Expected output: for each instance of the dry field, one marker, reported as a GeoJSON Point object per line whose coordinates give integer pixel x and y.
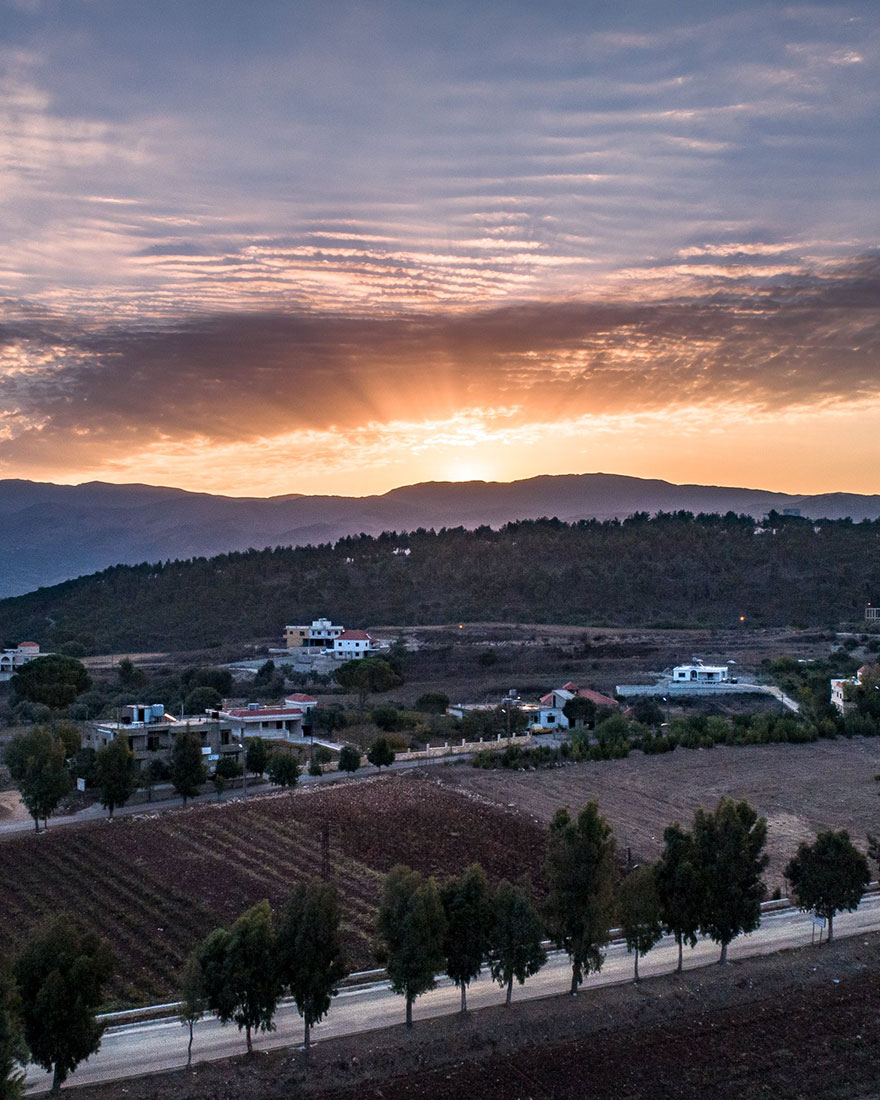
{"type": "Point", "coordinates": [800, 789]}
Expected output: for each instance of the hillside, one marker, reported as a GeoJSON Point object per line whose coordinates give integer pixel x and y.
{"type": "Point", "coordinates": [51, 533]}
{"type": "Point", "coordinates": [673, 569]}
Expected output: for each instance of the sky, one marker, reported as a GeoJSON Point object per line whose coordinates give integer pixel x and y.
{"type": "Point", "coordinates": [308, 246]}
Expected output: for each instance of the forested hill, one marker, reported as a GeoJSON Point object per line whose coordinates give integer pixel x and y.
{"type": "Point", "coordinates": [51, 533]}
{"type": "Point", "coordinates": [672, 569]}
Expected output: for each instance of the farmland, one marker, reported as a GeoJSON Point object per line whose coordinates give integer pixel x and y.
{"type": "Point", "coordinates": [800, 789]}
{"type": "Point", "coordinates": [155, 885]}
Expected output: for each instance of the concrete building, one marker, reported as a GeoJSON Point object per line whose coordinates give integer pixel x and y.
{"type": "Point", "coordinates": [284, 723]}
{"type": "Point", "coordinates": [320, 635]}
{"type": "Point", "coordinates": [150, 733]}
{"type": "Point", "coordinates": [12, 659]}
{"type": "Point", "coordinates": [872, 613]}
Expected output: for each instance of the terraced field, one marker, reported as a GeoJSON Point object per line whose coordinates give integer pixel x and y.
{"type": "Point", "coordinates": [155, 885]}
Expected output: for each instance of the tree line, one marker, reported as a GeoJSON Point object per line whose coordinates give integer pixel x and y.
{"type": "Point", "coordinates": [671, 569]}
{"type": "Point", "coordinates": [707, 882]}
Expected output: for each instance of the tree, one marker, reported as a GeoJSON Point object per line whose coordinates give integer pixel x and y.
{"type": "Point", "coordinates": [53, 680]}
{"type": "Point", "coordinates": [467, 906]}
{"type": "Point", "coordinates": [311, 959]}
{"type": "Point", "coordinates": [828, 876]}
{"type": "Point", "coordinates": [13, 1051]}
{"type": "Point", "coordinates": [151, 773]}
{"type": "Point", "coordinates": [365, 675]}
{"type": "Point", "coordinates": [515, 947]}
{"type": "Point", "coordinates": [432, 702]}
{"type": "Point", "coordinates": [130, 676]}
{"type": "Point", "coordinates": [187, 769]}
{"type": "Point", "coordinates": [283, 769]}
{"type": "Point", "coordinates": [36, 762]}
{"type": "Point", "coordinates": [115, 774]}
{"type": "Point", "coordinates": [581, 873]}
{"type": "Point", "coordinates": [257, 756]}
{"type": "Point", "coordinates": [201, 699]}
{"type": "Point", "coordinates": [226, 769]}
{"type": "Point", "coordinates": [638, 910]}
{"type": "Point", "coordinates": [729, 854]}
{"type": "Point", "coordinates": [193, 1004]}
{"type": "Point", "coordinates": [679, 888]}
{"type": "Point", "coordinates": [60, 976]}
{"type": "Point", "coordinates": [239, 967]}
{"type": "Point", "coordinates": [580, 711]}
{"type": "Point", "coordinates": [349, 759]}
{"type": "Point", "coordinates": [412, 927]}
{"type": "Point", "coordinates": [380, 754]}
{"type": "Point", "coordinates": [386, 717]}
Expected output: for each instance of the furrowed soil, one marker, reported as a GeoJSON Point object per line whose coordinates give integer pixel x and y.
{"type": "Point", "coordinates": [800, 789]}
{"type": "Point", "coordinates": [155, 884]}
{"type": "Point", "coordinates": [798, 1024]}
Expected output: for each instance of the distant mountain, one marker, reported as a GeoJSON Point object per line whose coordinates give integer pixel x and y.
{"type": "Point", "coordinates": [50, 533]}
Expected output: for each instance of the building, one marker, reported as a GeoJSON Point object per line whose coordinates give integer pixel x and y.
{"type": "Point", "coordinates": [320, 635]}
{"type": "Point", "coordinates": [11, 659]}
{"type": "Point", "coordinates": [872, 613]}
{"type": "Point", "coordinates": [551, 714]}
{"type": "Point", "coordinates": [284, 723]}
{"type": "Point", "coordinates": [839, 689]}
{"type": "Point", "coordinates": [698, 673]}
{"type": "Point", "coordinates": [352, 644]}
{"type": "Point", "coordinates": [150, 733]}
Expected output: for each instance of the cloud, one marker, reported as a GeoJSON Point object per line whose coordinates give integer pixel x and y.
{"type": "Point", "coordinates": [773, 343]}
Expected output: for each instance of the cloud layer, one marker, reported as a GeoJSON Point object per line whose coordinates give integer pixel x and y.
{"type": "Point", "coordinates": [226, 230]}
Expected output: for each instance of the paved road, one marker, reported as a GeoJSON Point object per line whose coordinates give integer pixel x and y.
{"type": "Point", "coordinates": [134, 1049]}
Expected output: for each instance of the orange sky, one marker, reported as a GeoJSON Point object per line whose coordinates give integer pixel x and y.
{"type": "Point", "coordinates": [274, 248]}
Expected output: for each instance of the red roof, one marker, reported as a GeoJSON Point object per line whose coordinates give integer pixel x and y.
{"type": "Point", "coordinates": [355, 636]}
{"type": "Point", "coordinates": [29, 645]}
{"type": "Point", "coordinates": [298, 697]}
{"type": "Point", "coordinates": [585, 693]}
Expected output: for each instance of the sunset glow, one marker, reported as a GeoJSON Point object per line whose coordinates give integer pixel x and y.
{"type": "Point", "coordinates": [314, 248]}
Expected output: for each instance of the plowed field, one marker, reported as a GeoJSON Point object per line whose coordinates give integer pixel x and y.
{"type": "Point", "coordinates": [800, 789]}
{"type": "Point", "coordinates": [155, 885]}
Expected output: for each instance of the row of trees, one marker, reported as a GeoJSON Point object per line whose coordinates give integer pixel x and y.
{"type": "Point", "coordinates": [707, 882]}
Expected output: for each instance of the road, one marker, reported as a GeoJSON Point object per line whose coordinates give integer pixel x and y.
{"type": "Point", "coordinates": [130, 1050]}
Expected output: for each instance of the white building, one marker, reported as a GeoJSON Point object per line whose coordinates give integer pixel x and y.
{"type": "Point", "coordinates": [284, 723]}
{"type": "Point", "coordinates": [320, 635]}
{"type": "Point", "coordinates": [872, 614]}
{"type": "Point", "coordinates": [11, 659]}
{"type": "Point", "coordinates": [352, 644]}
{"type": "Point", "coordinates": [839, 688]}
{"type": "Point", "coordinates": [698, 673]}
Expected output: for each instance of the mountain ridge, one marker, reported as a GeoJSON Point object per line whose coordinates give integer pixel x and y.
{"type": "Point", "coordinates": [50, 533]}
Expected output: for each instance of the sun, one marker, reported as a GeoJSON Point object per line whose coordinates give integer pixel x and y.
{"type": "Point", "coordinates": [468, 468]}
